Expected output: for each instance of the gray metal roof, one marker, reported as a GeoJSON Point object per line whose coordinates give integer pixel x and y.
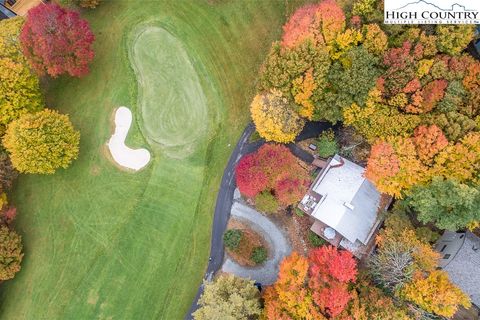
{"type": "Point", "coordinates": [464, 268]}
{"type": "Point", "coordinates": [349, 202]}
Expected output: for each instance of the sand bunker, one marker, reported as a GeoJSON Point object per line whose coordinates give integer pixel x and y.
{"type": "Point", "coordinates": [171, 99]}
{"type": "Point", "coordinates": [126, 157]}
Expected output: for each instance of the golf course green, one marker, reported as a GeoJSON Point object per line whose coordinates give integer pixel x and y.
{"type": "Point", "coordinates": [106, 243]}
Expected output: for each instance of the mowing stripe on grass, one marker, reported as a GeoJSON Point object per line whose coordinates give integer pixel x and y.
{"type": "Point", "coordinates": [170, 96]}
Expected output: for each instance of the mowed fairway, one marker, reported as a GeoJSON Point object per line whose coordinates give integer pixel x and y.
{"type": "Point", "coordinates": [102, 243]}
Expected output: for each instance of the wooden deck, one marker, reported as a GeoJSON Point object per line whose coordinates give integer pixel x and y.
{"type": "Point", "coordinates": [319, 227]}
{"type": "Point", "coordinates": [21, 7]}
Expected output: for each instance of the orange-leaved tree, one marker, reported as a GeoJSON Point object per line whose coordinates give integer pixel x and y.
{"type": "Point", "coordinates": [429, 141]}
{"type": "Point", "coordinates": [313, 288]}
{"type": "Point", "coordinates": [319, 23]}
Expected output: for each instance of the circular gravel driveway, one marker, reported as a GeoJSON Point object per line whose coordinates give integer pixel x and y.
{"type": "Point", "coordinates": [277, 242]}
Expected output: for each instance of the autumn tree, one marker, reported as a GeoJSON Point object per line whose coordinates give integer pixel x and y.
{"type": "Point", "coordinates": [300, 26]}
{"type": "Point", "coordinates": [313, 288]}
{"type": "Point", "coordinates": [290, 190]}
{"type": "Point", "coordinates": [10, 253]}
{"type": "Point", "coordinates": [302, 91]}
{"type": "Point", "coordinates": [19, 87]}
{"type": "Point", "coordinates": [331, 271]}
{"type": "Point", "coordinates": [378, 120]}
{"type": "Point", "coordinates": [369, 302]}
{"type": "Point", "coordinates": [275, 120]}
{"type": "Point", "coordinates": [266, 202]}
{"type": "Point", "coordinates": [400, 254]}
{"type": "Point", "coordinates": [453, 124]}
{"type": "Point", "coordinates": [460, 161]}
{"type": "Point", "coordinates": [320, 23]}
{"type": "Point", "coordinates": [394, 166]}
{"type": "Point", "coordinates": [7, 172]}
{"type": "Point", "coordinates": [272, 169]}
{"type": "Point", "coordinates": [250, 178]}
{"type": "Point", "coordinates": [447, 203]}
{"type": "Point", "coordinates": [228, 297]}
{"type": "Point", "coordinates": [56, 41]}
{"type": "Point", "coordinates": [41, 142]}
{"type": "Point", "coordinates": [289, 298]}
{"type": "Point", "coordinates": [436, 294]}
{"type": "Point", "coordinates": [429, 141]}
{"type": "Point", "coordinates": [291, 70]}
{"type": "Point", "coordinates": [359, 69]}
{"type": "Point", "coordinates": [375, 40]}
{"type": "Point", "coordinates": [453, 39]}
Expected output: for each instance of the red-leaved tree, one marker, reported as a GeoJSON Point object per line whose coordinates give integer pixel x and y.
{"type": "Point", "coordinates": [313, 288]}
{"type": "Point", "coordinates": [250, 179]}
{"type": "Point", "coordinates": [289, 190]}
{"type": "Point", "coordinates": [331, 271]}
{"type": "Point", "coordinates": [56, 40]}
{"type": "Point", "coordinates": [272, 168]}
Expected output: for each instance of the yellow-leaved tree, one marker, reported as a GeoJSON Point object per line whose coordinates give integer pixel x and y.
{"type": "Point", "coordinates": [302, 91]}
{"type": "Point", "coordinates": [436, 294]}
{"type": "Point", "coordinates": [41, 142]}
{"type": "Point", "coordinates": [275, 120]}
{"type": "Point", "coordinates": [19, 86]}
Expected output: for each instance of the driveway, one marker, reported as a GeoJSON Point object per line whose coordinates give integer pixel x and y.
{"type": "Point", "coordinates": [277, 241]}
{"type": "Point", "coordinates": [225, 197]}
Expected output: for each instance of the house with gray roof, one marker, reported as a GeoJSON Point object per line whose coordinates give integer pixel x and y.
{"type": "Point", "coordinates": [345, 206]}
{"type": "Point", "coordinates": [460, 258]}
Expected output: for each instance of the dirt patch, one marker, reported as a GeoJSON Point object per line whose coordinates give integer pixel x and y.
{"type": "Point", "coordinates": [250, 241]}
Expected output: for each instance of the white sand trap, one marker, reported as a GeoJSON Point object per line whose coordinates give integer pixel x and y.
{"type": "Point", "coordinates": [127, 157]}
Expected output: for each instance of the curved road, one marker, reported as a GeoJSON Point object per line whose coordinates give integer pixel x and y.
{"type": "Point", "coordinates": [227, 187]}
{"type": "Point", "coordinates": [267, 272]}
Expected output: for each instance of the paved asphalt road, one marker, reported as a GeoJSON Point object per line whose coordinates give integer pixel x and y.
{"type": "Point", "coordinates": [227, 187]}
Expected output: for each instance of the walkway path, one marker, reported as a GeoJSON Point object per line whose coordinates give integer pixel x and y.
{"type": "Point", "coordinates": [225, 197]}
{"type": "Point", "coordinates": [277, 242]}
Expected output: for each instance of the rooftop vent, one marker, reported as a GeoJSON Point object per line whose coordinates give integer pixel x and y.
{"type": "Point", "coordinates": [349, 205]}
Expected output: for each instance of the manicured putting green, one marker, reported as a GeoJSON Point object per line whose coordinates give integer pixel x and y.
{"type": "Point", "coordinates": [171, 99]}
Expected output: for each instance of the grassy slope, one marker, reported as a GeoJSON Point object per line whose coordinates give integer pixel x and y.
{"type": "Point", "coordinates": [101, 243]}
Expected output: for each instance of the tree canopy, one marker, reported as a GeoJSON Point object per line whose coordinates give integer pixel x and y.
{"type": "Point", "coordinates": [55, 41]}
{"type": "Point", "coordinates": [19, 87]}
{"type": "Point", "coordinates": [272, 169]}
{"type": "Point", "coordinates": [10, 253]}
{"type": "Point", "coordinates": [228, 298]}
{"type": "Point", "coordinates": [447, 203]}
{"type": "Point", "coordinates": [41, 142]}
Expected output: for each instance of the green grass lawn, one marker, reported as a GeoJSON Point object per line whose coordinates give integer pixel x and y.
{"type": "Point", "coordinates": [101, 243]}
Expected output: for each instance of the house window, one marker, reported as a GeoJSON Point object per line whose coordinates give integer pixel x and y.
{"type": "Point", "coordinates": [446, 256]}
{"type": "Point", "coordinates": [443, 248]}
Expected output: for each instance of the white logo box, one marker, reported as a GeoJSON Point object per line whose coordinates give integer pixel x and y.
{"type": "Point", "coordinates": [432, 12]}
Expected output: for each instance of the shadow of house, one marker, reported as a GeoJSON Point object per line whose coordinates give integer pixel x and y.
{"type": "Point", "coordinates": [345, 206]}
